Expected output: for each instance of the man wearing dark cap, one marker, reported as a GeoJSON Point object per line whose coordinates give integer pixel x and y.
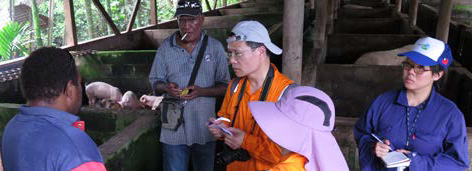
{"type": "Point", "coordinates": [170, 73]}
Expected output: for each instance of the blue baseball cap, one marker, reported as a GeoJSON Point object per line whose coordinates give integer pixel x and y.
{"type": "Point", "coordinates": [428, 51]}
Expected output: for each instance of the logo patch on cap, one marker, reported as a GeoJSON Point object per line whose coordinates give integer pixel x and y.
{"type": "Point", "coordinates": [445, 61]}
{"type": "Point", "coordinates": [424, 46]}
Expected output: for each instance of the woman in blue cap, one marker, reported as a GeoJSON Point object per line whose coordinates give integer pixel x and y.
{"type": "Point", "coordinates": [416, 120]}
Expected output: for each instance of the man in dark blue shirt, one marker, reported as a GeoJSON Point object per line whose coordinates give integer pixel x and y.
{"type": "Point", "coordinates": [45, 135]}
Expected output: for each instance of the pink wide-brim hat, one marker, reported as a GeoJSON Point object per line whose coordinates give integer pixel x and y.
{"type": "Point", "coordinates": [302, 121]}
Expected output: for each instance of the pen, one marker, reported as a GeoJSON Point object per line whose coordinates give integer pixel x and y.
{"type": "Point", "coordinates": [378, 139]}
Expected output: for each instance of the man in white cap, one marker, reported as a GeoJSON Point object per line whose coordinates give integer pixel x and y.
{"type": "Point", "coordinates": [173, 65]}
{"type": "Point", "coordinates": [258, 80]}
{"type": "Point", "coordinates": [301, 124]}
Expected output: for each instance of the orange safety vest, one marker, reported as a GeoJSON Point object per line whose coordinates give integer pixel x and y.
{"type": "Point", "coordinates": [291, 162]}
{"type": "Point", "coordinates": [264, 152]}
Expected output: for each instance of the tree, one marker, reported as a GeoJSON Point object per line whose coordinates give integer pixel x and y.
{"type": "Point", "coordinates": [88, 15]}
{"type": "Point", "coordinates": [36, 26]}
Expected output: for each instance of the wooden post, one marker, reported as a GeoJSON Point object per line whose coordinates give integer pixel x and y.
{"type": "Point", "coordinates": [106, 16]}
{"type": "Point", "coordinates": [293, 39]}
{"type": "Point", "coordinates": [444, 20]}
{"type": "Point", "coordinates": [413, 12]}
{"type": "Point", "coordinates": [133, 16]}
{"type": "Point", "coordinates": [153, 12]}
{"type": "Point", "coordinates": [71, 32]}
{"type": "Point", "coordinates": [225, 3]}
{"type": "Point", "coordinates": [312, 4]}
{"type": "Point", "coordinates": [398, 6]}
{"type": "Point", "coordinates": [330, 21]}
{"type": "Point", "coordinates": [319, 44]}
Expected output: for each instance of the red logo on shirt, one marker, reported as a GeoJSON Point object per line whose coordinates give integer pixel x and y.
{"type": "Point", "coordinates": [80, 125]}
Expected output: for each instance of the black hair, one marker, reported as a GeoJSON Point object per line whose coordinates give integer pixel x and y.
{"type": "Point", "coordinates": [436, 69]}
{"type": "Point", "coordinates": [46, 72]}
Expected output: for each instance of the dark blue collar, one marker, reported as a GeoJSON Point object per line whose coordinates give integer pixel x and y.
{"type": "Point", "coordinates": [48, 112]}
{"type": "Point", "coordinates": [402, 99]}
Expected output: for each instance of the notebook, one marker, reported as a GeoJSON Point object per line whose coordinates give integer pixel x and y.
{"type": "Point", "coordinates": [396, 159]}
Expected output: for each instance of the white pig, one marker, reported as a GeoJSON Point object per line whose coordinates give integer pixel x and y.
{"type": "Point", "coordinates": [389, 57]}
{"type": "Point", "coordinates": [151, 101]}
{"type": "Point", "coordinates": [130, 100]}
{"type": "Point", "coordinates": [101, 90]}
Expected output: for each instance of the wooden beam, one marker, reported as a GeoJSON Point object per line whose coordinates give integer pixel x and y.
{"type": "Point", "coordinates": [398, 6]}
{"type": "Point", "coordinates": [293, 39]}
{"type": "Point", "coordinates": [208, 5]}
{"type": "Point", "coordinates": [106, 16]}
{"type": "Point", "coordinates": [225, 3]}
{"type": "Point", "coordinates": [133, 16]}
{"type": "Point", "coordinates": [215, 4]}
{"type": "Point", "coordinates": [444, 20]}
{"type": "Point", "coordinates": [153, 12]}
{"type": "Point", "coordinates": [71, 31]}
{"type": "Point", "coordinates": [413, 12]}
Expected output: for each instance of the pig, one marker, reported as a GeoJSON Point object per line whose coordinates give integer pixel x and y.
{"type": "Point", "coordinates": [389, 57]}
{"type": "Point", "coordinates": [151, 101]}
{"type": "Point", "coordinates": [130, 100]}
{"type": "Point", "coordinates": [101, 90]}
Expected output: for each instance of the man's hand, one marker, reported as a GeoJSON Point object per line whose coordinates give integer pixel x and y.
{"type": "Point", "coordinates": [194, 91]}
{"type": "Point", "coordinates": [172, 89]}
{"type": "Point", "coordinates": [215, 131]}
{"type": "Point", "coordinates": [235, 141]}
{"type": "Point", "coordinates": [381, 149]}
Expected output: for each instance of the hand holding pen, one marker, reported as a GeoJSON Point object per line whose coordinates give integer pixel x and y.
{"type": "Point", "coordinates": [381, 148]}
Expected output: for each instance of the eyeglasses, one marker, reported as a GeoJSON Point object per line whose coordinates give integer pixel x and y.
{"type": "Point", "coordinates": [417, 68]}
{"type": "Point", "coordinates": [237, 54]}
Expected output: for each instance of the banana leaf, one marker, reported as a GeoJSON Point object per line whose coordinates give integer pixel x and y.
{"type": "Point", "coordinates": [10, 43]}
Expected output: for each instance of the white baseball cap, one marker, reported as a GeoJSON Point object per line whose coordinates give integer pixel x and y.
{"type": "Point", "coordinates": [255, 32]}
{"type": "Point", "coordinates": [428, 51]}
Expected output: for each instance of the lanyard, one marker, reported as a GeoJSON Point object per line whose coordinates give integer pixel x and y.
{"type": "Point", "coordinates": [263, 96]}
{"type": "Point", "coordinates": [410, 132]}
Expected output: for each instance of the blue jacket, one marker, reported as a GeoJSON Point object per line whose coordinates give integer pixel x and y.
{"type": "Point", "coordinates": [439, 139]}
{"type": "Point", "coordinates": [41, 138]}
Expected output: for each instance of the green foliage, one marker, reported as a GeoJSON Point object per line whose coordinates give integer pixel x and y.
{"type": "Point", "coordinates": [10, 42]}
{"type": "Point", "coordinates": [119, 10]}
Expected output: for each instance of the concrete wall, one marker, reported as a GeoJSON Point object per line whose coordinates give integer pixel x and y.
{"type": "Point", "coordinates": [374, 26]}
{"type": "Point", "coordinates": [127, 70]}
{"type": "Point", "coordinates": [367, 13]}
